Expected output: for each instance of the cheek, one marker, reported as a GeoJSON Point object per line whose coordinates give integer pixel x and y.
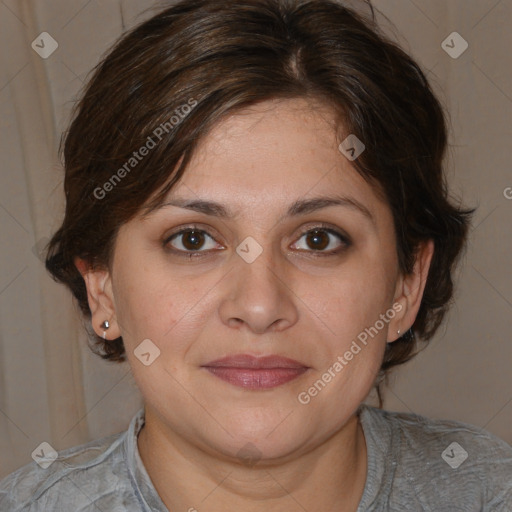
{"type": "Point", "coordinates": [141, 297]}
{"type": "Point", "coordinates": [351, 308]}
{"type": "Point", "coordinates": [351, 299]}
{"type": "Point", "coordinates": [151, 303]}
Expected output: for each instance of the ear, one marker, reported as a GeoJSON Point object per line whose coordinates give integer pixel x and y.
{"type": "Point", "coordinates": [101, 300]}
{"type": "Point", "coordinates": [409, 292]}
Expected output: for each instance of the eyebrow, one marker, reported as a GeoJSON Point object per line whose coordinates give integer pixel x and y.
{"type": "Point", "coordinates": [299, 207]}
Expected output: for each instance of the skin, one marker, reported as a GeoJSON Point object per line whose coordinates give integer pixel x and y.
{"type": "Point", "coordinates": [290, 301]}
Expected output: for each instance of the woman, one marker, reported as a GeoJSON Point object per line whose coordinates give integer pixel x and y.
{"type": "Point", "coordinates": [257, 220]}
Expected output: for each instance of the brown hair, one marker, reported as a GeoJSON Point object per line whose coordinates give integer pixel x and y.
{"type": "Point", "coordinates": [219, 56]}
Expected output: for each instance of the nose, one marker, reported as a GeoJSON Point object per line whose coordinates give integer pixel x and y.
{"type": "Point", "coordinates": [258, 296]}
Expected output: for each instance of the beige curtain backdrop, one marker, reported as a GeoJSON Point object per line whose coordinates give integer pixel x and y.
{"type": "Point", "coordinates": [53, 389]}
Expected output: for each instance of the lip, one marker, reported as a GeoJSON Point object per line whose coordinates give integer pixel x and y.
{"type": "Point", "coordinates": [255, 362]}
{"type": "Point", "coordinates": [250, 372]}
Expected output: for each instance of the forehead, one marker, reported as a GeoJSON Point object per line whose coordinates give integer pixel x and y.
{"type": "Point", "coordinates": [276, 151]}
{"type": "Point", "coordinates": [274, 161]}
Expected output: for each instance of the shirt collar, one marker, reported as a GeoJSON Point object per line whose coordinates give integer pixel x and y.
{"type": "Point", "coordinates": [141, 482]}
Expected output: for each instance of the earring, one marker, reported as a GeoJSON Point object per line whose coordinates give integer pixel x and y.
{"type": "Point", "coordinates": [105, 325]}
{"type": "Point", "coordinates": [398, 332]}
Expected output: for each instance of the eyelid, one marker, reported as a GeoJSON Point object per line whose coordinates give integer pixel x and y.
{"type": "Point", "coordinates": [323, 226]}
{"type": "Point", "coordinates": [207, 230]}
{"type": "Point", "coordinates": [192, 227]}
{"type": "Point", "coordinates": [328, 228]}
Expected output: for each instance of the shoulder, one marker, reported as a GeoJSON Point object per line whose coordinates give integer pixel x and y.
{"type": "Point", "coordinates": [447, 458]}
{"type": "Point", "coordinates": [419, 429]}
{"type": "Point", "coordinates": [43, 485]}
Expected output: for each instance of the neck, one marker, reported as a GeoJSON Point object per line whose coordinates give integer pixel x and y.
{"type": "Point", "coordinates": [329, 477]}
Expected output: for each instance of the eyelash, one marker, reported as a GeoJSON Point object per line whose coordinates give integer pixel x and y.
{"type": "Point", "coordinates": [344, 239]}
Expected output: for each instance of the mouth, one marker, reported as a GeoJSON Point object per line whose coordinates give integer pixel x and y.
{"type": "Point", "coordinates": [251, 372]}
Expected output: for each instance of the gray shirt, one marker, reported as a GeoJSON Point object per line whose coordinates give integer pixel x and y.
{"type": "Point", "coordinates": [414, 464]}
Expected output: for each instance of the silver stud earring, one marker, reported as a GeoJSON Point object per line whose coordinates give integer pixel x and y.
{"type": "Point", "coordinates": [105, 325]}
{"type": "Point", "coordinates": [398, 332]}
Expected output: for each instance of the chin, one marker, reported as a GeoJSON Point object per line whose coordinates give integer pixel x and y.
{"type": "Point", "coordinates": [252, 440]}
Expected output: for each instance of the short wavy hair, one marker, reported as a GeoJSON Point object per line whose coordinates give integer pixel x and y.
{"type": "Point", "coordinates": [226, 55]}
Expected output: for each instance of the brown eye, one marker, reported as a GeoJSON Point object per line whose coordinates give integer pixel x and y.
{"type": "Point", "coordinates": [317, 240]}
{"type": "Point", "coordinates": [323, 241]}
{"type": "Point", "coordinates": [190, 240]}
{"type": "Point", "coordinates": [193, 240]}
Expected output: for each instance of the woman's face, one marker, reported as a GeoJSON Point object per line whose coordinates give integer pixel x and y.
{"type": "Point", "coordinates": [253, 277]}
